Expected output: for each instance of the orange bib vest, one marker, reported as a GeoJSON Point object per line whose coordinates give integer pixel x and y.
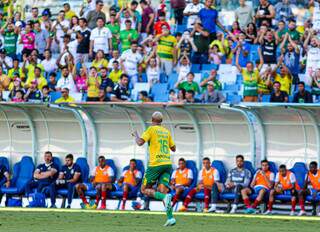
{"type": "Point", "coordinates": [285, 181]}
{"type": "Point", "coordinates": [208, 176]}
{"type": "Point", "coordinates": [102, 175]}
{"type": "Point", "coordinates": [182, 177]}
{"type": "Point", "coordinates": [315, 180]}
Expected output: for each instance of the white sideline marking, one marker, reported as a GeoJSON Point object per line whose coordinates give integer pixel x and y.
{"type": "Point", "coordinates": [277, 217]}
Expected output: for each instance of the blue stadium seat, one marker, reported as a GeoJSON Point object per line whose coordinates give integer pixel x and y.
{"type": "Point", "coordinates": [22, 175]}
{"type": "Point", "coordinates": [172, 80]}
{"type": "Point", "coordinates": [163, 78]}
{"type": "Point", "coordinates": [144, 77]}
{"type": "Point", "coordinates": [181, 28]}
{"type": "Point", "coordinates": [4, 161]}
{"type": "Point", "coordinates": [159, 92]}
{"type": "Point", "coordinates": [273, 167]}
{"type": "Point", "coordinates": [57, 161]}
{"type": "Point", "coordinates": [233, 98]}
{"type": "Point", "coordinates": [209, 67]}
{"type": "Point", "coordinates": [161, 98]}
{"type": "Point", "coordinates": [195, 68]}
{"type": "Point", "coordinates": [55, 96]}
{"type": "Point", "coordinates": [266, 98]}
{"type": "Point", "coordinates": [134, 191]}
{"type": "Point", "coordinates": [85, 170]}
{"type": "Point", "coordinates": [254, 55]}
{"type": "Point", "coordinates": [248, 165]}
{"type": "Point", "coordinates": [232, 88]}
{"type": "Point", "coordinates": [239, 79]}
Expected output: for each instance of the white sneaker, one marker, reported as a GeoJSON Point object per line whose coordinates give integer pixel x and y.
{"type": "Point", "coordinates": [170, 222]}
{"type": "Point", "coordinates": [292, 213]}
{"type": "Point", "coordinates": [213, 208]}
{"type": "Point", "coordinates": [302, 213]}
{"type": "Point", "coordinates": [268, 212]}
{"type": "Point", "coordinates": [233, 209]}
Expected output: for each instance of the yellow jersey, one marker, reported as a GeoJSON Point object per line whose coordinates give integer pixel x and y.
{"type": "Point", "coordinates": [160, 142]}
{"type": "Point", "coordinates": [41, 81]}
{"type": "Point", "coordinates": [166, 47]}
{"type": "Point", "coordinates": [30, 68]}
{"type": "Point", "coordinates": [62, 100]}
{"type": "Point", "coordinates": [93, 89]}
{"type": "Point", "coordinates": [115, 76]}
{"type": "Point", "coordinates": [69, 14]}
{"type": "Point", "coordinates": [99, 64]}
{"type": "Point", "coordinates": [220, 45]}
{"type": "Point", "coordinates": [285, 82]}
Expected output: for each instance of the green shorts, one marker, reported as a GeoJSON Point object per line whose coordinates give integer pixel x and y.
{"type": "Point", "coordinates": [158, 174]}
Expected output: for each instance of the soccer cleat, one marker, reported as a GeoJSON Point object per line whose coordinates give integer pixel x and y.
{"type": "Point", "coordinates": [136, 205]}
{"type": "Point", "coordinates": [292, 213]}
{"type": "Point", "coordinates": [233, 209]}
{"type": "Point", "coordinates": [268, 212]}
{"type": "Point", "coordinates": [170, 222]}
{"type": "Point", "coordinates": [84, 206]}
{"type": "Point", "coordinates": [206, 210]}
{"type": "Point", "coordinates": [102, 207]}
{"type": "Point", "coordinates": [182, 209]}
{"type": "Point", "coordinates": [302, 213]}
{"type": "Point", "coordinates": [94, 206]}
{"type": "Point", "coordinates": [167, 201]}
{"type": "Point", "coordinates": [213, 208]}
{"type": "Point", "coordinates": [53, 206]}
{"type": "Point", "coordinates": [68, 207]}
{"type": "Point", "coordinates": [250, 211]}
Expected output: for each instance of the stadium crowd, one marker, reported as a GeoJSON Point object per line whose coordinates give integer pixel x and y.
{"type": "Point", "coordinates": [134, 52]}
{"type": "Point", "coordinates": [242, 182]}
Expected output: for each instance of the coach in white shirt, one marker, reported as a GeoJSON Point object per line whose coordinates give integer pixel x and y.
{"type": "Point", "coordinates": [100, 38]}
{"type": "Point", "coordinates": [192, 10]}
{"type": "Point", "coordinates": [130, 60]}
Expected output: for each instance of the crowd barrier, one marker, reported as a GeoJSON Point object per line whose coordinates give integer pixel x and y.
{"type": "Point", "coordinates": [282, 133]}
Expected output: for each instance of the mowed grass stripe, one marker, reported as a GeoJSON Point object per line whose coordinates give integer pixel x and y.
{"type": "Point", "coordinates": [193, 214]}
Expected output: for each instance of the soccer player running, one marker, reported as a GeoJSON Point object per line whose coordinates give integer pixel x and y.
{"type": "Point", "coordinates": [238, 179]}
{"type": "Point", "coordinates": [102, 180]}
{"type": "Point", "coordinates": [69, 175]}
{"type": "Point", "coordinates": [261, 184]}
{"type": "Point", "coordinates": [311, 187]}
{"type": "Point", "coordinates": [160, 165]}
{"type": "Point", "coordinates": [181, 179]}
{"type": "Point", "coordinates": [209, 178]}
{"type": "Point", "coordinates": [128, 180]}
{"type": "Point", "coordinates": [284, 184]}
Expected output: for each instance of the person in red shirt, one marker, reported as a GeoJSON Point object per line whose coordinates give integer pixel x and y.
{"type": "Point", "coordinates": [162, 21]}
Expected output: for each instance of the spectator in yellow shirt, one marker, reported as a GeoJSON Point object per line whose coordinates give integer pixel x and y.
{"type": "Point", "coordinates": [99, 61]}
{"type": "Point", "coordinates": [68, 12]}
{"type": "Point", "coordinates": [65, 97]}
{"type": "Point", "coordinates": [116, 72]}
{"type": "Point", "coordinates": [93, 85]}
{"type": "Point", "coordinates": [38, 77]}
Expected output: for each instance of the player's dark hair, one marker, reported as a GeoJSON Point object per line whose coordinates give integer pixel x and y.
{"type": "Point", "coordinates": [301, 83]}
{"type": "Point", "coordinates": [240, 156]}
{"type": "Point", "coordinates": [182, 159]}
{"type": "Point", "coordinates": [101, 19]}
{"type": "Point", "coordinates": [133, 160]}
{"type": "Point", "coordinates": [264, 161]}
{"type": "Point", "coordinates": [313, 163]}
{"type": "Point", "coordinates": [206, 158]}
{"type": "Point", "coordinates": [276, 82]}
{"type": "Point", "coordinates": [101, 157]}
{"type": "Point", "coordinates": [282, 166]}
{"type": "Point", "coordinates": [124, 75]}
{"type": "Point", "coordinates": [69, 156]}
{"type": "Point", "coordinates": [48, 153]}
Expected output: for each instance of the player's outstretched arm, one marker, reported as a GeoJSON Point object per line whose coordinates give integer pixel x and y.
{"type": "Point", "coordinates": [139, 140]}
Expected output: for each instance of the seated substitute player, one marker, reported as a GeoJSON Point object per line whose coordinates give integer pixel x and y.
{"type": "Point", "coordinates": [69, 176]}
{"type": "Point", "coordinates": [311, 187]}
{"type": "Point", "coordinates": [284, 184]}
{"type": "Point", "coordinates": [261, 184]}
{"type": "Point", "coordinates": [208, 182]}
{"type": "Point", "coordinates": [160, 165]}
{"type": "Point", "coordinates": [102, 180]}
{"type": "Point", "coordinates": [181, 179]}
{"type": "Point", "coordinates": [44, 175]}
{"type": "Point", "coordinates": [4, 180]}
{"type": "Point", "coordinates": [238, 179]}
{"type": "Point", "coordinates": [128, 180]}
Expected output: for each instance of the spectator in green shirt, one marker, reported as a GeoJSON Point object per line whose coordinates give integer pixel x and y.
{"type": "Point", "coordinates": [188, 83]}
{"type": "Point", "coordinates": [114, 27]}
{"type": "Point", "coordinates": [10, 37]}
{"type": "Point", "coordinates": [127, 36]}
{"type": "Point", "coordinates": [213, 78]}
{"type": "Point", "coordinates": [292, 31]}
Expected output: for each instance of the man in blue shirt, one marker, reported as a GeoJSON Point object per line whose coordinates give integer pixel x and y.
{"type": "Point", "coordinates": [209, 18]}
{"type": "Point", "coordinates": [243, 48]}
{"type": "Point", "coordinates": [69, 175]}
{"type": "Point", "coordinates": [44, 175]}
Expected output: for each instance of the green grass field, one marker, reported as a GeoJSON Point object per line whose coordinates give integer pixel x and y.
{"type": "Point", "coordinates": [45, 220]}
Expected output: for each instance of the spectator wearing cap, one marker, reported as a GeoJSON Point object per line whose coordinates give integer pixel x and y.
{"type": "Point", "coordinates": [209, 19]}
{"type": "Point", "coordinates": [65, 98]}
{"type": "Point", "coordinates": [166, 50]}
{"type": "Point", "coordinates": [265, 13]}
{"type": "Point", "coordinates": [46, 23]}
{"type": "Point", "coordinates": [5, 61]}
{"type": "Point", "coordinates": [16, 69]}
{"type": "Point", "coordinates": [94, 15]}
{"type": "Point", "coordinates": [60, 27]}
{"type": "Point", "coordinates": [188, 83]}
{"type": "Point", "coordinates": [303, 95]}
{"type": "Point", "coordinates": [38, 77]}
{"type": "Point", "coordinates": [244, 14]}
{"type": "Point", "coordinates": [127, 36]}
{"type": "Point", "coordinates": [68, 12]}
{"type": "Point", "coordinates": [100, 38]}
{"type": "Point", "coordinates": [201, 38]}
{"type": "Point", "coordinates": [189, 97]}
{"type": "Point", "coordinates": [178, 6]}
{"type": "Point", "coordinates": [191, 11]}
{"type": "Point", "coordinates": [161, 21]}
{"type": "Point", "coordinates": [42, 38]}
{"type": "Point", "coordinates": [66, 81]}
{"type": "Point", "coordinates": [277, 95]}
{"type": "Point", "coordinates": [33, 93]}
{"type": "Point", "coordinates": [121, 91]}
{"type": "Point", "coordinates": [10, 37]}
{"type": "Point", "coordinates": [15, 86]}
{"type": "Point", "coordinates": [213, 78]}
{"type": "Point", "coordinates": [114, 27]}
{"type": "Point", "coordinates": [148, 17]}
{"type": "Point", "coordinates": [211, 95]}
{"type": "Point", "coordinates": [4, 80]}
